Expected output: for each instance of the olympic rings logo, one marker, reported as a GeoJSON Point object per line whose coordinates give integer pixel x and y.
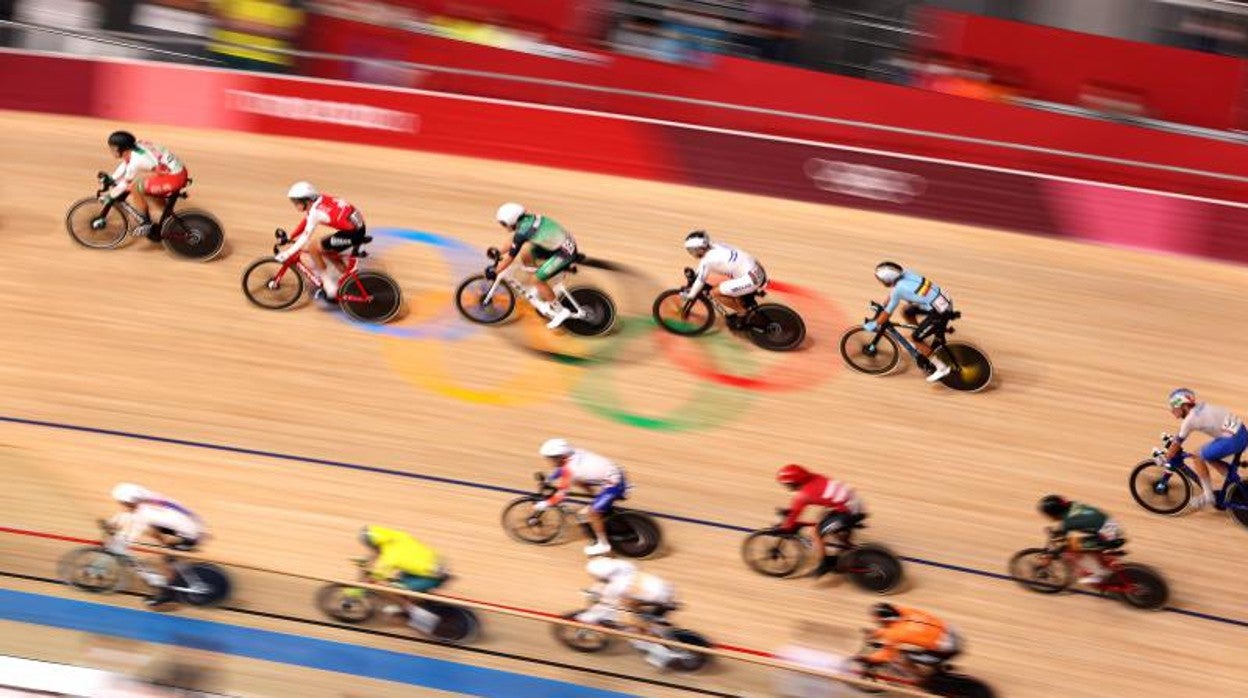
{"type": "Point", "coordinates": [717, 376]}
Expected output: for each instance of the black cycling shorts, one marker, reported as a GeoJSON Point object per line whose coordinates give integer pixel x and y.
{"type": "Point", "coordinates": [343, 240]}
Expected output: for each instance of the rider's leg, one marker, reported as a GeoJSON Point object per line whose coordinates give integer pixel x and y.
{"type": "Point", "coordinates": [1213, 454]}
{"type": "Point", "coordinates": [926, 328]}
{"type": "Point", "coordinates": [418, 617]}
{"type": "Point", "coordinates": [549, 269]}
{"type": "Point", "coordinates": [601, 504]}
{"type": "Point", "coordinates": [1091, 568]}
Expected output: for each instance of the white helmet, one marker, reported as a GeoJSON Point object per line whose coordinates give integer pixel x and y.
{"type": "Point", "coordinates": [128, 493]}
{"type": "Point", "coordinates": [606, 568]}
{"type": "Point", "coordinates": [697, 241]}
{"type": "Point", "coordinates": [509, 213]}
{"type": "Point", "coordinates": [888, 272]}
{"type": "Point", "coordinates": [555, 448]}
{"type": "Point", "coordinates": [302, 190]}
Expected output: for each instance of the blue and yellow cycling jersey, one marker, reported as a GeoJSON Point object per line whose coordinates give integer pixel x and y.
{"type": "Point", "coordinates": [399, 552]}
{"type": "Point", "coordinates": [919, 290]}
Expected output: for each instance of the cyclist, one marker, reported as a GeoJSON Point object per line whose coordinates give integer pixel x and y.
{"type": "Point", "coordinates": [621, 587]}
{"type": "Point", "coordinates": [1230, 438]}
{"type": "Point", "coordinates": [927, 306]}
{"type": "Point", "coordinates": [840, 501]}
{"type": "Point", "coordinates": [577, 466]}
{"type": "Point", "coordinates": [549, 247]}
{"type": "Point", "coordinates": [323, 209]}
{"type": "Point", "coordinates": [745, 274]}
{"type": "Point", "coordinates": [147, 170]}
{"type": "Point", "coordinates": [916, 640]}
{"type": "Point", "coordinates": [402, 561]}
{"type": "Point", "coordinates": [1096, 532]}
{"type": "Point", "coordinates": [147, 515]}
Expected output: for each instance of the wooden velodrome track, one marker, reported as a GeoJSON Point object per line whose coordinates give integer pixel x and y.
{"type": "Point", "coordinates": [1087, 341]}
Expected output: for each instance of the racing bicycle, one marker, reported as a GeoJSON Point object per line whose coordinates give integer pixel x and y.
{"type": "Point", "coordinates": [771, 326]}
{"type": "Point", "coordinates": [367, 296]}
{"type": "Point", "coordinates": [777, 553]}
{"type": "Point", "coordinates": [192, 234]}
{"type": "Point", "coordinates": [1052, 569]}
{"type": "Point", "coordinates": [654, 620]}
{"type": "Point", "coordinates": [355, 605]}
{"type": "Point", "coordinates": [941, 678]}
{"type": "Point", "coordinates": [877, 353]}
{"type": "Point", "coordinates": [1166, 486]}
{"type": "Point", "coordinates": [488, 301]}
{"type": "Point", "coordinates": [631, 533]}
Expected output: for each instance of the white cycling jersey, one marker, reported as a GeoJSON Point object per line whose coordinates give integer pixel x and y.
{"type": "Point", "coordinates": [156, 511]}
{"type": "Point", "coordinates": [624, 582]}
{"type": "Point", "coordinates": [1210, 419]}
{"type": "Point", "coordinates": [146, 157]}
{"type": "Point", "coordinates": [729, 261]}
{"type": "Point", "coordinates": [588, 468]}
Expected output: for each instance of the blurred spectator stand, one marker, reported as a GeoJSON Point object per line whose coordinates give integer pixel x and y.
{"type": "Point", "coordinates": [245, 31]}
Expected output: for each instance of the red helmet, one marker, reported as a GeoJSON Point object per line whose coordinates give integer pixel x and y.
{"type": "Point", "coordinates": [793, 474]}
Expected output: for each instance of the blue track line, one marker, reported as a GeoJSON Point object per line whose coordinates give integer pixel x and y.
{"type": "Point", "coordinates": [510, 490]}
{"type": "Point", "coordinates": [286, 648]}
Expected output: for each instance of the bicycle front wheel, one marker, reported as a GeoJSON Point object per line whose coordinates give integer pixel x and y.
{"type": "Point", "coordinates": [678, 316]}
{"type": "Point", "coordinates": [79, 224]}
{"type": "Point", "coordinates": [263, 286]}
{"type": "Point", "coordinates": [869, 353]}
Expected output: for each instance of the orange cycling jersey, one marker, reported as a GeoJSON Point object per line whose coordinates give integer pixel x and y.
{"type": "Point", "coordinates": [912, 629]}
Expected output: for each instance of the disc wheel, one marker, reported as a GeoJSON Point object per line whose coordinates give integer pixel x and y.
{"type": "Point", "coordinates": [972, 371]}
{"type": "Point", "coordinates": [1159, 489]}
{"type": "Point", "coordinates": [470, 300]}
{"type": "Point", "coordinates": [286, 292]}
{"type": "Point", "coordinates": [370, 296]}
{"type": "Point", "coordinates": [78, 224]}
{"type": "Point", "coordinates": [193, 235]}
{"type": "Point", "coordinates": [524, 524]}
{"type": "Point", "coordinates": [1237, 503]}
{"type": "Point", "coordinates": [93, 569]}
{"type": "Point", "coordinates": [687, 660]}
{"type": "Point", "coordinates": [578, 638]}
{"type": "Point", "coordinates": [632, 534]}
{"type": "Point", "coordinates": [455, 624]}
{"type": "Point", "coordinates": [872, 568]}
{"type": "Point", "coordinates": [957, 686]}
{"type": "Point", "coordinates": [1039, 571]}
{"type": "Point", "coordinates": [772, 553]}
{"type": "Point", "coordinates": [599, 312]}
{"type": "Point", "coordinates": [345, 603]}
{"type": "Point", "coordinates": [865, 353]}
{"type": "Point", "coordinates": [683, 317]}
{"type": "Point", "coordinates": [214, 582]}
{"type": "Point", "coordinates": [775, 327]}
{"type": "Point", "coordinates": [1144, 588]}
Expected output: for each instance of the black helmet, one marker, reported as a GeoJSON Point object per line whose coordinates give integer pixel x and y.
{"type": "Point", "coordinates": [885, 611]}
{"type": "Point", "coordinates": [1054, 506]}
{"type": "Point", "coordinates": [122, 140]}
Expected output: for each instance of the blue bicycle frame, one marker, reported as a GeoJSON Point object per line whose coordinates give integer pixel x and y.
{"type": "Point", "coordinates": [1179, 465]}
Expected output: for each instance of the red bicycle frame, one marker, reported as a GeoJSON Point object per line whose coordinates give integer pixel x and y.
{"type": "Point", "coordinates": [314, 277]}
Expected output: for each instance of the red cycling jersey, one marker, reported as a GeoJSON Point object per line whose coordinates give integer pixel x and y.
{"type": "Point", "coordinates": [819, 491]}
{"type": "Point", "coordinates": [331, 211]}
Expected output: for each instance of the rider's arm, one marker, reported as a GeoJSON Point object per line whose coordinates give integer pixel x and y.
{"type": "Point", "coordinates": [887, 639]}
{"type": "Point", "coordinates": [796, 507]}
{"type": "Point", "coordinates": [122, 177]}
{"type": "Point", "coordinates": [561, 484]}
{"type": "Point", "coordinates": [615, 592]}
{"type": "Point", "coordinates": [700, 280]}
{"type": "Point", "coordinates": [1185, 430]}
{"type": "Point", "coordinates": [513, 251]}
{"type": "Point", "coordinates": [301, 235]}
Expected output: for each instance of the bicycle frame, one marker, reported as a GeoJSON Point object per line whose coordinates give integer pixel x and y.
{"type": "Point", "coordinates": [893, 329]}
{"type": "Point", "coordinates": [128, 209]}
{"type": "Point", "coordinates": [520, 290]}
{"type": "Point", "coordinates": [314, 277]}
{"type": "Point", "coordinates": [1178, 465]}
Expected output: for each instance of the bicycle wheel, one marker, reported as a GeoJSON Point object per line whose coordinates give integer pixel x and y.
{"type": "Point", "coordinates": [370, 296]}
{"type": "Point", "coordinates": [687, 660]}
{"type": "Point", "coordinates": [211, 584]}
{"type": "Point", "coordinates": [1237, 503]}
{"type": "Point", "coordinates": [193, 235]}
{"type": "Point", "coordinates": [972, 371]}
{"type": "Point", "coordinates": [775, 327]}
{"type": "Point", "coordinates": [345, 603]}
{"type": "Point", "coordinates": [523, 524]}
{"type": "Point", "coordinates": [78, 224]}
{"type": "Point", "coordinates": [678, 316]}
{"type": "Point", "coordinates": [632, 534]}
{"type": "Point", "coordinates": [93, 569]}
{"type": "Point", "coordinates": [256, 279]}
{"type": "Point", "coordinates": [1144, 588]}
{"type": "Point", "coordinates": [470, 300]}
{"type": "Point", "coordinates": [872, 567]}
{"type": "Point", "coordinates": [772, 553]}
{"type": "Point", "coordinates": [866, 353]}
{"type": "Point", "coordinates": [957, 686]}
{"type": "Point", "coordinates": [599, 312]}
{"type": "Point", "coordinates": [578, 638]}
{"type": "Point", "coordinates": [455, 624]}
{"type": "Point", "coordinates": [1159, 489]}
{"type": "Point", "coordinates": [1039, 571]}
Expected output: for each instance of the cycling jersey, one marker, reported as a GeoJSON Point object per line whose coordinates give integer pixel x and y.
{"type": "Point", "coordinates": [913, 629]}
{"type": "Point", "coordinates": [146, 156]}
{"type": "Point", "coordinates": [399, 552]}
{"type": "Point", "coordinates": [821, 491]}
{"type": "Point", "coordinates": [1098, 529]}
{"type": "Point", "coordinates": [546, 236]}
{"type": "Point", "coordinates": [916, 289]}
{"type": "Point", "coordinates": [332, 212]}
{"type": "Point", "coordinates": [156, 512]}
{"type": "Point", "coordinates": [1210, 419]}
{"type": "Point", "coordinates": [729, 261]}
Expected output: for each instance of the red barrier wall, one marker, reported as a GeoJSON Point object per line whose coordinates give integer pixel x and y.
{"type": "Point", "coordinates": [126, 91]}
{"type": "Point", "coordinates": [1188, 87]}
{"type": "Point", "coordinates": [771, 87]}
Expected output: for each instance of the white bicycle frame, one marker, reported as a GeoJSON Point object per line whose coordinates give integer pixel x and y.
{"type": "Point", "coordinates": [149, 575]}
{"type": "Point", "coordinates": [530, 294]}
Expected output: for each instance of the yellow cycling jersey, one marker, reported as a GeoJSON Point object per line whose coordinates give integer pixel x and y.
{"type": "Point", "coordinates": [399, 552]}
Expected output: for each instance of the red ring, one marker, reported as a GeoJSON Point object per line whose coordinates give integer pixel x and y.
{"type": "Point", "coordinates": [826, 318]}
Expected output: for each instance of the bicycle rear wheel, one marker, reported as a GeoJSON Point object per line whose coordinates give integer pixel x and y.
{"type": "Point", "coordinates": [193, 235]}
{"type": "Point", "coordinates": [370, 296]}
{"type": "Point", "coordinates": [213, 585]}
{"type": "Point", "coordinates": [1237, 503]}
{"type": "Point", "coordinates": [78, 224]}
{"type": "Point", "coordinates": [599, 312]}
{"type": "Point", "coordinates": [972, 371]}
{"type": "Point", "coordinates": [678, 316]}
{"type": "Point", "coordinates": [866, 353]}
{"type": "Point", "coordinates": [1143, 588]}
{"type": "Point", "coordinates": [286, 292]}
{"type": "Point", "coordinates": [872, 567]}
{"type": "Point", "coordinates": [775, 327]}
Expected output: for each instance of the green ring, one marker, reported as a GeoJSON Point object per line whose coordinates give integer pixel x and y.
{"type": "Point", "coordinates": [709, 406]}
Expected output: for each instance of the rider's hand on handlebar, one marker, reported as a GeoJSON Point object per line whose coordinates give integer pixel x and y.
{"type": "Point", "coordinates": [491, 273]}
{"type": "Point", "coordinates": [871, 326]}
